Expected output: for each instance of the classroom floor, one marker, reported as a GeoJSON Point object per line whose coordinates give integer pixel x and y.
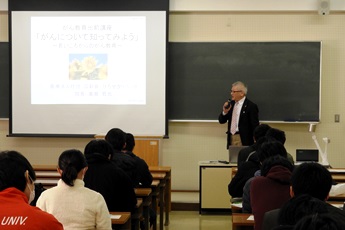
{"type": "Point", "coordinates": [190, 220]}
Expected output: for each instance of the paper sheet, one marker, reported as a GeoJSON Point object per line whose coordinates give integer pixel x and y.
{"type": "Point", "coordinates": [115, 217]}
{"type": "Point", "coordinates": [251, 217]}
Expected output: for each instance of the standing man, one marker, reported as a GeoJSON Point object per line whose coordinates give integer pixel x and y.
{"type": "Point", "coordinates": [242, 116]}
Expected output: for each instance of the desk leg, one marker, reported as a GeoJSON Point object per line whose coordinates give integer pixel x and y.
{"type": "Point", "coordinates": [154, 207]}
{"type": "Point", "coordinates": [146, 217]}
{"type": "Point", "coordinates": [161, 206]}
{"type": "Point", "coordinates": [167, 195]}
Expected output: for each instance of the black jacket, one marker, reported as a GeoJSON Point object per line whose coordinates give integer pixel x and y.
{"type": "Point", "coordinates": [244, 172]}
{"type": "Point", "coordinates": [249, 119]}
{"type": "Point", "coordinates": [112, 182]}
{"type": "Point", "coordinates": [144, 176]}
{"type": "Point", "coordinates": [127, 164]}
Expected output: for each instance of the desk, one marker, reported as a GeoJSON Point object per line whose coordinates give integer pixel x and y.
{"type": "Point", "coordinates": [145, 194]}
{"type": "Point", "coordinates": [166, 189]}
{"type": "Point", "coordinates": [137, 214]}
{"type": "Point", "coordinates": [123, 223]}
{"type": "Point", "coordinates": [162, 184]}
{"type": "Point", "coordinates": [47, 175]}
{"type": "Point", "coordinates": [337, 204]}
{"type": "Point", "coordinates": [213, 185]}
{"type": "Point", "coordinates": [241, 220]}
{"type": "Point", "coordinates": [236, 208]}
{"type": "Point", "coordinates": [337, 198]}
{"type": "Point", "coordinates": [155, 192]}
{"type": "Point", "coordinates": [338, 174]}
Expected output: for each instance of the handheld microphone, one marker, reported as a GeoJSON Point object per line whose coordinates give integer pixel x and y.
{"type": "Point", "coordinates": [229, 103]}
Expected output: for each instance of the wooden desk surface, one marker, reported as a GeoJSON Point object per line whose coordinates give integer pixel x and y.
{"type": "Point", "coordinates": [45, 167]}
{"type": "Point", "coordinates": [337, 204]}
{"type": "Point", "coordinates": [337, 198]}
{"type": "Point", "coordinates": [165, 169]}
{"type": "Point", "coordinates": [142, 192]}
{"type": "Point", "coordinates": [241, 219]}
{"type": "Point", "coordinates": [155, 183]}
{"type": "Point", "coordinates": [158, 169]}
{"type": "Point", "coordinates": [124, 217]}
{"type": "Point", "coordinates": [159, 176]}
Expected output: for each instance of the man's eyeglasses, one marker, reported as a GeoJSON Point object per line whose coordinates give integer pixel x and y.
{"type": "Point", "coordinates": [235, 91]}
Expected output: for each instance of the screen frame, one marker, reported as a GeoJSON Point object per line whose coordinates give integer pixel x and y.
{"type": "Point", "coordinates": [88, 5]}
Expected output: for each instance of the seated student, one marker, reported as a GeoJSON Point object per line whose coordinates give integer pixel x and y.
{"type": "Point", "coordinates": [75, 206]}
{"type": "Point", "coordinates": [106, 178]}
{"type": "Point", "coordinates": [319, 222]}
{"type": "Point", "coordinates": [267, 149]}
{"type": "Point", "coordinates": [16, 192]}
{"type": "Point", "coordinates": [144, 174]}
{"type": "Point", "coordinates": [272, 189]}
{"type": "Point", "coordinates": [312, 179]}
{"type": "Point", "coordinates": [279, 135]}
{"type": "Point", "coordinates": [145, 177]}
{"type": "Point", "coordinates": [117, 139]}
{"type": "Point", "coordinates": [243, 155]}
{"type": "Point", "coordinates": [245, 171]}
{"type": "Point", "coordinates": [297, 208]}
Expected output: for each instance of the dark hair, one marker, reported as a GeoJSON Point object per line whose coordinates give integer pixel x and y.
{"type": "Point", "coordinates": [117, 138]}
{"type": "Point", "coordinates": [71, 162]}
{"type": "Point", "coordinates": [271, 148]}
{"type": "Point", "coordinates": [13, 166]}
{"type": "Point", "coordinates": [277, 134]}
{"type": "Point", "coordinates": [130, 142]}
{"type": "Point", "coordinates": [275, 161]}
{"type": "Point", "coordinates": [313, 179]}
{"type": "Point", "coordinates": [298, 207]}
{"type": "Point", "coordinates": [260, 131]}
{"type": "Point", "coordinates": [98, 146]}
{"type": "Point", "coordinates": [319, 222]}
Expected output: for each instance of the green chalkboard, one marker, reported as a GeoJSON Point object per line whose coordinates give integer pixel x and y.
{"type": "Point", "coordinates": [283, 79]}
{"type": "Point", "coordinates": [4, 80]}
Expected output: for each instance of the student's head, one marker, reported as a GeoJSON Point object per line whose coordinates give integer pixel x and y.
{"type": "Point", "coordinates": [117, 138]}
{"type": "Point", "coordinates": [276, 160]}
{"type": "Point", "coordinates": [319, 222]}
{"type": "Point", "coordinates": [16, 171]}
{"type": "Point", "coordinates": [312, 179]}
{"type": "Point", "coordinates": [72, 164]}
{"type": "Point", "coordinates": [98, 146]}
{"type": "Point", "coordinates": [271, 148]}
{"type": "Point", "coordinates": [298, 207]}
{"type": "Point", "coordinates": [260, 131]}
{"type": "Point", "coordinates": [130, 142]}
{"type": "Point", "coordinates": [277, 134]}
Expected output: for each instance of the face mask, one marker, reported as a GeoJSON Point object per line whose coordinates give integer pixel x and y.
{"type": "Point", "coordinates": [32, 193]}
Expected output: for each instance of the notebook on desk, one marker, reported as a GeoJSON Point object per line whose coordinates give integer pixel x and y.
{"type": "Point", "coordinates": [307, 155]}
{"type": "Point", "coordinates": [233, 153]}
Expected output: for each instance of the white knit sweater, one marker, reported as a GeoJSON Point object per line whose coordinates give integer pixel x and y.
{"type": "Point", "coordinates": [76, 207]}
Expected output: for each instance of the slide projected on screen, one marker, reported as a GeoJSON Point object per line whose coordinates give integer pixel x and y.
{"type": "Point", "coordinates": [84, 72]}
{"type": "Point", "coordinates": [93, 60]}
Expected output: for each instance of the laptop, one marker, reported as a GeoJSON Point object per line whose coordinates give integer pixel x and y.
{"type": "Point", "coordinates": [307, 155]}
{"type": "Point", "coordinates": [233, 153]}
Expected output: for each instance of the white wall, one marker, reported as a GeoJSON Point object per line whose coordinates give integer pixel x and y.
{"type": "Point", "coordinates": [251, 5]}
